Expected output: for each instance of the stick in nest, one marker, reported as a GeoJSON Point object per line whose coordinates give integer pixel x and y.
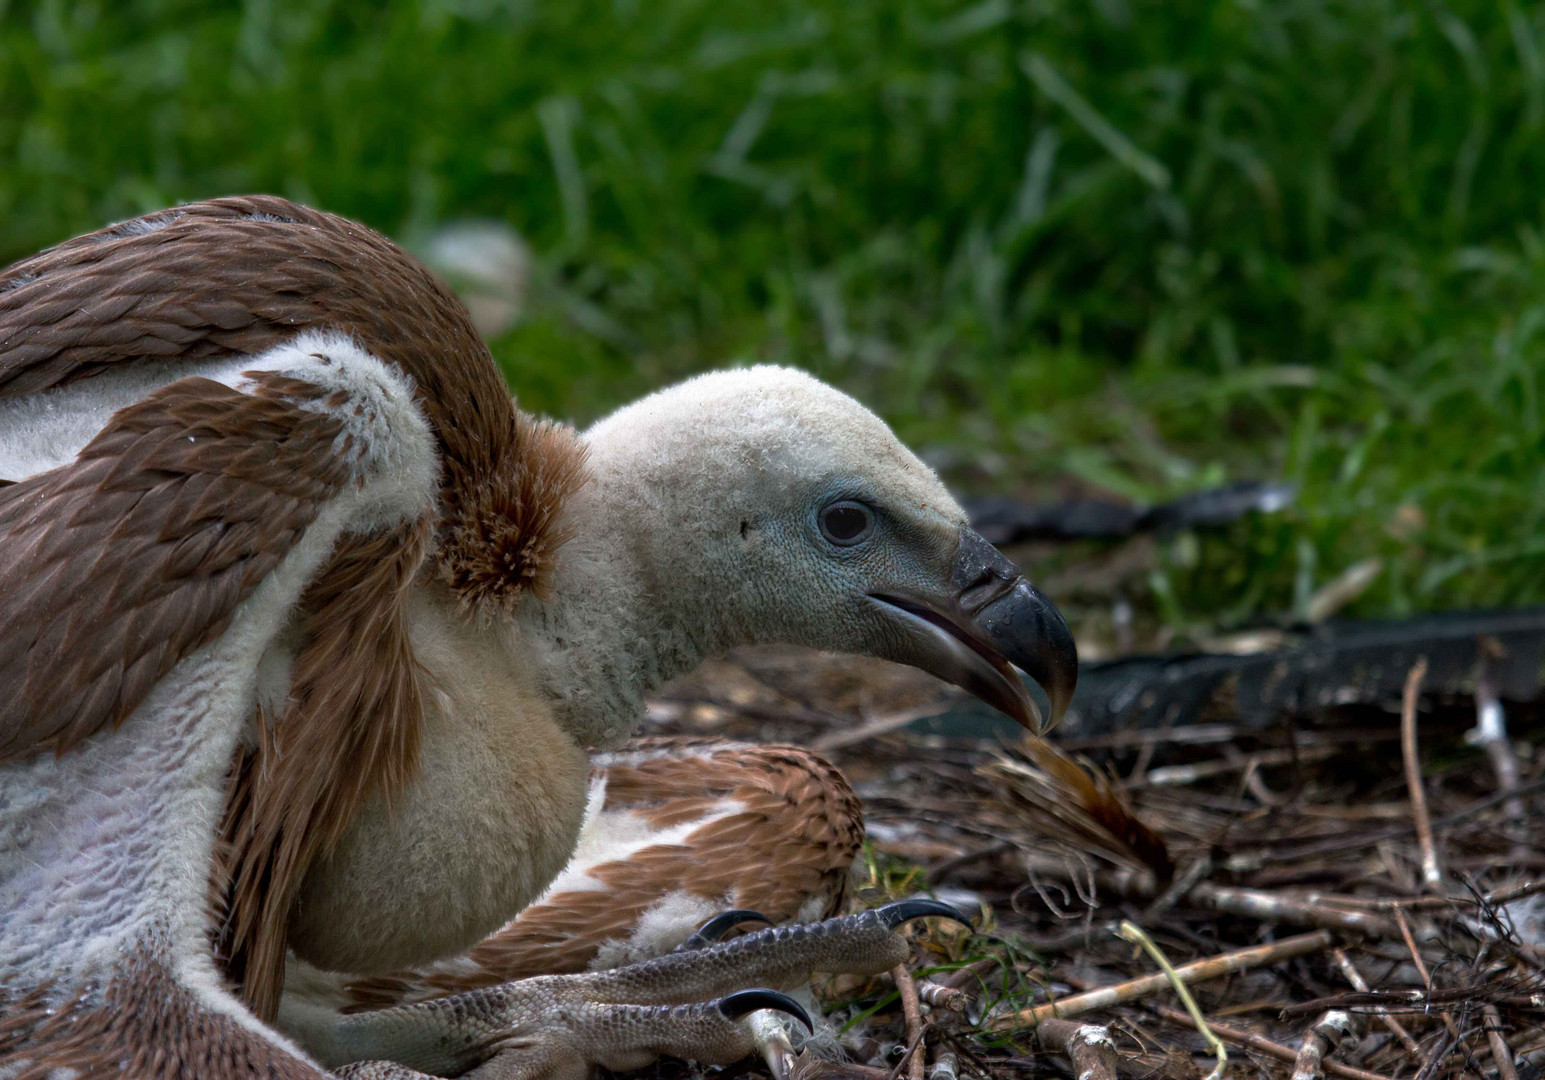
{"type": "Point", "coordinates": [1432, 877]}
{"type": "Point", "coordinates": [912, 1013]}
{"type": "Point", "coordinates": [1321, 1040]}
{"type": "Point", "coordinates": [1253, 1041]}
{"type": "Point", "coordinates": [1426, 976]}
{"type": "Point", "coordinates": [1089, 1046]}
{"type": "Point", "coordinates": [1501, 1055]}
{"type": "Point", "coordinates": [1197, 971]}
{"type": "Point", "coordinates": [1355, 977]}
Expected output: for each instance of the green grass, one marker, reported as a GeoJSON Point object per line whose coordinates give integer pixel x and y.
{"type": "Point", "coordinates": [1108, 245]}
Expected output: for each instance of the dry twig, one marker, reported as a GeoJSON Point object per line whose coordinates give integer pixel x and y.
{"type": "Point", "coordinates": [1254, 904]}
{"type": "Point", "coordinates": [1490, 733]}
{"type": "Point", "coordinates": [1432, 877]}
{"type": "Point", "coordinates": [840, 737]}
{"type": "Point", "coordinates": [1321, 1040]}
{"type": "Point", "coordinates": [1272, 907]}
{"type": "Point", "coordinates": [1496, 898]}
{"type": "Point", "coordinates": [940, 996]}
{"type": "Point", "coordinates": [1501, 1056]}
{"type": "Point", "coordinates": [1197, 971]}
{"type": "Point", "coordinates": [1240, 1037]}
{"type": "Point", "coordinates": [1355, 977]}
{"type": "Point", "coordinates": [1421, 969]}
{"type": "Point", "coordinates": [913, 1014]}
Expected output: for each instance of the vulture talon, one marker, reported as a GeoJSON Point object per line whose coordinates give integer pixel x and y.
{"type": "Point", "coordinates": [677, 1003]}
{"type": "Point", "coordinates": [743, 1002]}
{"type": "Point", "coordinates": [715, 928]}
{"type": "Point", "coordinates": [919, 907]}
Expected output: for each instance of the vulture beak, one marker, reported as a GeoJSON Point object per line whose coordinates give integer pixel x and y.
{"type": "Point", "coordinates": [989, 619]}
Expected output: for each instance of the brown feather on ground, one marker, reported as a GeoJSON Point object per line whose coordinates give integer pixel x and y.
{"type": "Point", "coordinates": [1086, 803]}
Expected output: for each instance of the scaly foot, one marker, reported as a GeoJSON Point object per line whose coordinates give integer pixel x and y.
{"type": "Point", "coordinates": [688, 1003]}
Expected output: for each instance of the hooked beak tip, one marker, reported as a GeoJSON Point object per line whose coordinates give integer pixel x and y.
{"type": "Point", "coordinates": [992, 622]}
{"type": "Point", "coordinates": [1047, 654]}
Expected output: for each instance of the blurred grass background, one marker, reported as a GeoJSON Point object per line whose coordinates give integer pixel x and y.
{"type": "Point", "coordinates": [1095, 247]}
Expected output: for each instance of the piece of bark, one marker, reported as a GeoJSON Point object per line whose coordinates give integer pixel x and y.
{"type": "Point", "coordinates": [1089, 1046]}
{"type": "Point", "coordinates": [1322, 1040]}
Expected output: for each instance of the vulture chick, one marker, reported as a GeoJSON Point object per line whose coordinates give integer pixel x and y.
{"type": "Point", "coordinates": [307, 632]}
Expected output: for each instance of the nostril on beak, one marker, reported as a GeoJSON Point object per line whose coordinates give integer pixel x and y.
{"type": "Point", "coordinates": [981, 574]}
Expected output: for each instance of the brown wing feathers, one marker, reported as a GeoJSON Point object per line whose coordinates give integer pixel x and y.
{"type": "Point", "coordinates": [242, 274]}
{"type": "Point", "coordinates": [144, 1024]}
{"type": "Point", "coordinates": [349, 729]}
{"type": "Point", "coordinates": [114, 567]}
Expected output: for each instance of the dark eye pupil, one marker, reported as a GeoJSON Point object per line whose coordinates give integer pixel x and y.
{"type": "Point", "coordinates": [845, 522]}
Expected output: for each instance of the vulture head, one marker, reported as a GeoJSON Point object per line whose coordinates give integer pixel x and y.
{"type": "Point", "coordinates": [761, 505]}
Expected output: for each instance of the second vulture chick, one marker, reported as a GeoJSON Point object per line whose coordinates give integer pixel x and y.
{"type": "Point", "coordinates": [297, 609]}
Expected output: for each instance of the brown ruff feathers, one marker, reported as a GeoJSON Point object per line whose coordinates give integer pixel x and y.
{"type": "Point", "coordinates": [504, 541]}
{"type": "Point", "coordinates": [793, 838]}
{"type": "Point", "coordinates": [240, 276]}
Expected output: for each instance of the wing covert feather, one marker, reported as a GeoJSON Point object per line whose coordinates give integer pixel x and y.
{"type": "Point", "coordinates": [116, 566]}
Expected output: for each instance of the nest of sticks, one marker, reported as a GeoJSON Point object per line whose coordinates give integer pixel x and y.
{"type": "Point", "coordinates": [1358, 894]}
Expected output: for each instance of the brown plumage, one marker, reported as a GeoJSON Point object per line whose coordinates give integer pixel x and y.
{"type": "Point", "coordinates": [242, 274]}
{"type": "Point", "coordinates": [142, 1025]}
{"type": "Point", "coordinates": [291, 801]}
{"type": "Point", "coordinates": [785, 850]}
{"type": "Point", "coordinates": [95, 553]}
{"type": "Point", "coordinates": [117, 566]}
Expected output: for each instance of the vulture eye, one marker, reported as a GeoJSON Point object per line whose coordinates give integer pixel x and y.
{"type": "Point", "coordinates": [846, 523]}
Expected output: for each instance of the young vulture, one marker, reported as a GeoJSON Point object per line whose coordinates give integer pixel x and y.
{"type": "Point", "coordinates": [306, 632]}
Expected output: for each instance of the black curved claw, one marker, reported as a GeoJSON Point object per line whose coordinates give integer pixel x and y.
{"type": "Point", "coordinates": [893, 915]}
{"type": "Point", "coordinates": [743, 1002]}
{"type": "Point", "coordinates": [721, 924]}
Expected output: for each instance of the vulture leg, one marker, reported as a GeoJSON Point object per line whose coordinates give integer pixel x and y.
{"type": "Point", "coordinates": [683, 828]}
{"type": "Point", "coordinates": [681, 834]}
{"type": "Point", "coordinates": [686, 1004]}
